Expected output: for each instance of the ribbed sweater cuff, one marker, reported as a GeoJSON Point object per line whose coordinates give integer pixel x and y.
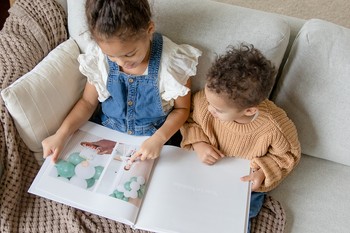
{"type": "Point", "coordinates": [192, 135]}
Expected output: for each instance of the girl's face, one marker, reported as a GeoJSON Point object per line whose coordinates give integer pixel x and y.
{"type": "Point", "coordinates": [224, 110]}
{"type": "Point", "coordinates": [131, 54]}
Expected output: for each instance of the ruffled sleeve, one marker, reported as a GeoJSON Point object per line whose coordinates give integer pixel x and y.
{"type": "Point", "coordinates": [94, 66]}
{"type": "Point", "coordinates": [179, 62]}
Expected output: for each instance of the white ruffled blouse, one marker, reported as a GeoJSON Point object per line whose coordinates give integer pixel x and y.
{"type": "Point", "coordinates": [178, 63]}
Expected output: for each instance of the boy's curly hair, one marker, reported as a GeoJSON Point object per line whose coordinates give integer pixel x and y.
{"type": "Point", "coordinates": [117, 18]}
{"type": "Point", "coordinates": [243, 74]}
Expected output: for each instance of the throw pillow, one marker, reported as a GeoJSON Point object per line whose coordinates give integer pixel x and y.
{"type": "Point", "coordinates": [40, 100]}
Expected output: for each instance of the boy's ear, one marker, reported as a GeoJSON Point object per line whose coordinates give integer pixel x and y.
{"type": "Point", "coordinates": [250, 111]}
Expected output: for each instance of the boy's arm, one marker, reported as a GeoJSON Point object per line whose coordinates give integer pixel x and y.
{"type": "Point", "coordinates": [282, 157]}
{"type": "Point", "coordinates": [191, 130]}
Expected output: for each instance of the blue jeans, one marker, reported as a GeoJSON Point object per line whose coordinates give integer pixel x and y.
{"type": "Point", "coordinates": [256, 202]}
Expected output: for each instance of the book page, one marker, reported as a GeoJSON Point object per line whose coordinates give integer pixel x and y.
{"type": "Point", "coordinates": [94, 174]}
{"type": "Point", "coordinates": [188, 196]}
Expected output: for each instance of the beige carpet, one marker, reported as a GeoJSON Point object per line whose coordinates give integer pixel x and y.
{"type": "Point", "coordinates": [335, 11]}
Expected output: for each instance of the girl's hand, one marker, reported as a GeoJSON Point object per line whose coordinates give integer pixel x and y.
{"type": "Point", "coordinates": [53, 145]}
{"type": "Point", "coordinates": [207, 153]}
{"type": "Point", "coordinates": [257, 177]}
{"type": "Point", "coordinates": [150, 149]}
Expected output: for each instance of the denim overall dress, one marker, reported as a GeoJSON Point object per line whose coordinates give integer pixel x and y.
{"type": "Point", "coordinates": [135, 105]}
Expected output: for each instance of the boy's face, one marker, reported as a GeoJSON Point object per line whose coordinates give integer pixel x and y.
{"type": "Point", "coordinates": [224, 110]}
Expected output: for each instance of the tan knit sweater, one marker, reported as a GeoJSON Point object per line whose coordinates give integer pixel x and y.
{"type": "Point", "coordinates": [270, 141]}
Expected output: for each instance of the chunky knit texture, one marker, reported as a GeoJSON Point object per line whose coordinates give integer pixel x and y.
{"type": "Point", "coordinates": [270, 141]}
{"type": "Point", "coordinates": [32, 30]}
{"type": "Point", "coordinates": [271, 218]}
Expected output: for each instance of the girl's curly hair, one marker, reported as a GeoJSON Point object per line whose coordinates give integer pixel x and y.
{"type": "Point", "coordinates": [117, 18]}
{"type": "Point", "coordinates": [243, 74]}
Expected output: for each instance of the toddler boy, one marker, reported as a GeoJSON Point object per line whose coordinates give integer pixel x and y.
{"type": "Point", "coordinates": [232, 116]}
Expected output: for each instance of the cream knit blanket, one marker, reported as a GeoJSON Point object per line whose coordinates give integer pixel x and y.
{"type": "Point", "coordinates": [33, 29]}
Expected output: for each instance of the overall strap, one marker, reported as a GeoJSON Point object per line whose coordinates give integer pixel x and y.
{"type": "Point", "coordinates": [155, 56]}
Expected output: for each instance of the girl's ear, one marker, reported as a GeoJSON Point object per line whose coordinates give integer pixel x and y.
{"type": "Point", "coordinates": [151, 28]}
{"type": "Point", "coordinates": [250, 111]}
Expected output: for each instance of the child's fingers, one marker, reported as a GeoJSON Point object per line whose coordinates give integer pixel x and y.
{"type": "Point", "coordinates": [219, 153]}
{"type": "Point", "coordinates": [135, 156]}
{"type": "Point", "coordinates": [53, 153]}
{"type": "Point", "coordinates": [246, 178]}
{"type": "Point", "coordinates": [215, 156]}
{"type": "Point", "coordinates": [211, 159]}
{"type": "Point", "coordinates": [55, 156]}
{"type": "Point", "coordinates": [144, 157]}
{"type": "Point", "coordinates": [256, 183]}
{"type": "Point", "coordinates": [46, 153]}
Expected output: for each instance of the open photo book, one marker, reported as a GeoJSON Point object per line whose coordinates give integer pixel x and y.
{"type": "Point", "coordinates": [174, 193]}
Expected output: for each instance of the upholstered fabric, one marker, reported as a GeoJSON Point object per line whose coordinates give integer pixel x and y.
{"type": "Point", "coordinates": [316, 197]}
{"type": "Point", "coordinates": [221, 25]}
{"type": "Point", "coordinates": [314, 90]}
{"type": "Point", "coordinates": [77, 25]}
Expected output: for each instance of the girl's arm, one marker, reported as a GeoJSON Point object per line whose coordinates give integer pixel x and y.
{"type": "Point", "coordinates": [177, 117]}
{"type": "Point", "coordinates": [150, 149]}
{"type": "Point", "coordinates": [80, 113]}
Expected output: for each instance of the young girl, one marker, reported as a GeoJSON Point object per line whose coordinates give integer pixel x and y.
{"type": "Point", "coordinates": [147, 91]}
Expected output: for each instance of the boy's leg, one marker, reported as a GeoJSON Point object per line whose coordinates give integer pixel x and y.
{"type": "Point", "coordinates": [256, 202]}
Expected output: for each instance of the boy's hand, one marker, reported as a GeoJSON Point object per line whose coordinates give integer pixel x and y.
{"type": "Point", "coordinates": [257, 177]}
{"type": "Point", "coordinates": [207, 153]}
{"type": "Point", "coordinates": [150, 149]}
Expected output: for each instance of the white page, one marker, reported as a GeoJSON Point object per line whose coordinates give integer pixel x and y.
{"type": "Point", "coordinates": [188, 196]}
{"type": "Point", "coordinates": [96, 198]}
